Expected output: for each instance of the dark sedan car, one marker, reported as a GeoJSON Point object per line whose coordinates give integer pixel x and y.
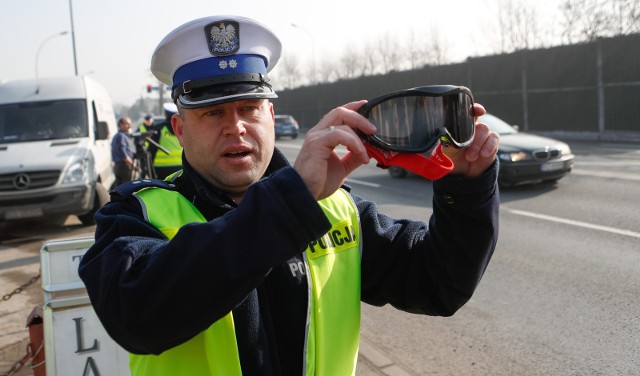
{"type": "Point", "coordinates": [524, 158]}
{"type": "Point", "coordinates": [286, 125]}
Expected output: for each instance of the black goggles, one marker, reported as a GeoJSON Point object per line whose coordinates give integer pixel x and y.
{"type": "Point", "coordinates": [222, 89]}
{"type": "Point", "coordinates": [414, 120]}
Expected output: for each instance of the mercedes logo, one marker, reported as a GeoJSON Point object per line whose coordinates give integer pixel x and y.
{"type": "Point", "coordinates": [21, 181]}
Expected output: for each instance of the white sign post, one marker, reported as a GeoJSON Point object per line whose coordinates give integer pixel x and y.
{"type": "Point", "coordinates": [75, 341]}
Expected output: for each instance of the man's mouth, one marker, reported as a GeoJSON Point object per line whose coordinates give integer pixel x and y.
{"type": "Point", "coordinates": [236, 154]}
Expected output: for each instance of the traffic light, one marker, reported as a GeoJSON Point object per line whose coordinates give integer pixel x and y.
{"type": "Point", "coordinates": [149, 88]}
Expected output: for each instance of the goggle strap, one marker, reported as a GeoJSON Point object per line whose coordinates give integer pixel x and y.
{"type": "Point", "coordinates": [434, 167]}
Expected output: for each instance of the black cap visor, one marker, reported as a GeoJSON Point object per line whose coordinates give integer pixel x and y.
{"type": "Point", "coordinates": [224, 94]}
{"type": "Point", "coordinates": [223, 89]}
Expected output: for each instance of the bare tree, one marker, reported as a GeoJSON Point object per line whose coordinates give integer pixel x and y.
{"type": "Point", "coordinates": [416, 49]}
{"type": "Point", "coordinates": [438, 51]}
{"type": "Point", "coordinates": [625, 17]}
{"type": "Point", "coordinates": [348, 62]}
{"type": "Point", "coordinates": [584, 20]}
{"type": "Point", "coordinates": [327, 71]}
{"type": "Point", "coordinates": [388, 51]}
{"type": "Point", "coordinates": [369, 61]}
{"type": "Point", "coordinates": [587, 20]}
{"type": "Point", "coordinates": [571, 14]}
{"type": "Point", "coordinates": [518, 26]}
{"type": "Point", "coordinates": [289, 71]}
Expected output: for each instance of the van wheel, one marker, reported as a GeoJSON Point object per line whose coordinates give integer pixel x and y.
{"type": "Point", "coordinates": [100, 199]}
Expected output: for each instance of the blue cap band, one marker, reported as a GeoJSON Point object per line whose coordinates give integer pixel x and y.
{"type": "Point", "coordinates": [218, 66]}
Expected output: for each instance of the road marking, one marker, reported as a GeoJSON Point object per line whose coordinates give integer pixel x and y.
{"type": "Point", "coordinates": [607, 174]}
{"type": "Point", "coordinates": [366, 183]}
{"type": "Point", "coordinates": [340, 149]}
{"type": "Point", "coordinates": [289, 146]}
{"type": "Point", "coordinates": [571, 222]}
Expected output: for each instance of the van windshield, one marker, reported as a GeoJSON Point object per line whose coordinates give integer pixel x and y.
{"type": "Point", "coordinates": [46, 120]}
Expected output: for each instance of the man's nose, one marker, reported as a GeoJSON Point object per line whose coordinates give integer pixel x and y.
{"type": "Point", "coordinates": [235, 126]}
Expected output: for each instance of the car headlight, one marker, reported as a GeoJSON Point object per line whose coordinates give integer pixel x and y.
{"type": "Point", "coordinates": [514, 156]}
{"type": "Point", "coordinates": [565, 149]}
{"type": "Point", "coordinates": [77, 172]}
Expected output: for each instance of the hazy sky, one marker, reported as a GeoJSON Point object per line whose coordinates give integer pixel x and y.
{"type": "Point", "coordinates": [115, 39]}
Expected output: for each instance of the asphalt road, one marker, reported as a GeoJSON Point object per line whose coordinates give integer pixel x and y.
{"type": "Point", "coordinates": [560, 296]}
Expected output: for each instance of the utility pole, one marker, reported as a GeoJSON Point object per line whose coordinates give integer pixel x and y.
{"type": "Point", "coordinates": [73, 41]}
{"type": "Point", "coordinates": [313, 52]}
{"type": "Point", "coordinates": [160, 96]}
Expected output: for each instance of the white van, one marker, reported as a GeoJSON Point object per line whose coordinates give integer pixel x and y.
{"type": "Point", "coordinates": [55, 148]}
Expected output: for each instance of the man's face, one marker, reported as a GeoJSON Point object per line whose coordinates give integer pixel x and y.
{"type": "Point", "coordinates": [230, 144]}
{"type": "Point", "coordinates": [125, 125]}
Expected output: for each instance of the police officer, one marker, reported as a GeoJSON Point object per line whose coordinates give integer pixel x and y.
{"type": "Point", "coordinates": [169, 160]}
{"type": "Point", "coordinates": [146, 125]}
{"type": "Point", "coordinates": [245, 264]}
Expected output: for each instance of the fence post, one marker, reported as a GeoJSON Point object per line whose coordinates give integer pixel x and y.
{"type": "Point", "coordinates": [600, 86]}
{"type": "Point", "coordinates": [525, 94]}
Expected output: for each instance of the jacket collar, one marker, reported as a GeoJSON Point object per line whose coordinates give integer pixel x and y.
{"type": "Point", "coordinates": [209, 200]}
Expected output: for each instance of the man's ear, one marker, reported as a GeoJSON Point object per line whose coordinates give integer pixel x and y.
{"type": "Point", "coordinates": [273, 119]}
{"type": "Point", "coordinates": [178, 127]}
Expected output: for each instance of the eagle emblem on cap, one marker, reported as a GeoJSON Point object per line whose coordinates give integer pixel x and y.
{"type": "Point", "coordinates": [223, 37]}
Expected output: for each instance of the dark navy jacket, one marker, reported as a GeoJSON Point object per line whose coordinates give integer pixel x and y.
{"type": "Point", "coordinates": [152, 294]}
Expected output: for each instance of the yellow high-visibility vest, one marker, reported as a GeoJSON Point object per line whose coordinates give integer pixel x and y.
{"type": "Point", "coordinates": [170, 142]}
{"type": "Point", "coordinates": [333, 265]}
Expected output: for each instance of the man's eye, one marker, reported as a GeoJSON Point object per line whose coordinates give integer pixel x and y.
{"type": "Point", "coordinates": [213, 113]}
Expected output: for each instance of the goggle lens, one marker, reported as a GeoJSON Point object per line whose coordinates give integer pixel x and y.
{"type": "Point", "coordinates": [414, 120]}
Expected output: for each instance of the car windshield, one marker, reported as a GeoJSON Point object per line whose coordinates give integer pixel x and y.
{"type": "Point", "coordinates": [497, 125]}
{"type": "Point", "coordinates": [46, 120]}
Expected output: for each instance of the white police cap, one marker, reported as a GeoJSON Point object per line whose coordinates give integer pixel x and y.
{"type": "Point", "coordinates": [217, 59]}
{"type": "Point", "coordinates": [170, 108]}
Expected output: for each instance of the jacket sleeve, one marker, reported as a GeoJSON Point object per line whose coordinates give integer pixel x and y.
{"type": "Point", "coordinates": [431, 268]}
{"type": "Point", "coordinates": [152, 294]}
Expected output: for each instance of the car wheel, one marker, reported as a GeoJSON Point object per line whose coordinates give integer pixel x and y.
{"type": "Point", "coordinates": [397, 172]}
{"type": "Point", "coordinates": [293, 137]}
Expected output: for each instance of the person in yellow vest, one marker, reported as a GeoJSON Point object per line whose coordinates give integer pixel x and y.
{"type": "Point", "coordinates": [244, 264]}
{"type": "Point", "coordinates": [169, 160]}
{"type": "Point", "coordinates": [146, 125]}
